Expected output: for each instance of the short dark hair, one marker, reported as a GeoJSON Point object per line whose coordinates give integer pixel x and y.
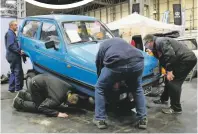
{"type": "Point", "coordinates": [148, 38]}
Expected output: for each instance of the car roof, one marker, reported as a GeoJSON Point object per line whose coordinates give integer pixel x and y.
{"type": "Point", "coordinates": [185, 38]}
{"type": "Point", "coordinates": [62, 18]}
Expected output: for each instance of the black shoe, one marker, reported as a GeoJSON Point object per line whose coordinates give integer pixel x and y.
{"type": "Point", "coordinates": [4, 79]}
{"type": "Point", "coordinates": [171, 111]}
{"type": "Point", "coordinates": [142, 124]}
{"type": "Point", "coordinates": [101, 124]}
{"type": "Point", "coordinates": [11, 91]}
{"type": "Point", "coordinates": [160, 102]}
{"type": "Point", "coordinates": [17, 102]}
{"type": "Point", "coordinates": [17, 90]}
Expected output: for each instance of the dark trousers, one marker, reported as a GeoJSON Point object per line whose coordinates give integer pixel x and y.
{"type": "Point", "coordinates": [132, 75]}
{"type": "Point", "coordinates": [16, 76]}
{"type": "Point", "coordinates": [31, 99]}
{"type": "Point", "coordinates": [27, 103]}
{"type": "Point", "coordinates": [165, 96]}
{"type": "Point", "coordinates": [38, 95]}
{"type": "Point", "coordinates": [173, 88]}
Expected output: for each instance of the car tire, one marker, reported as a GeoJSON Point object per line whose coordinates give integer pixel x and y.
{"type": "Point", "coordinates": [121, 108]}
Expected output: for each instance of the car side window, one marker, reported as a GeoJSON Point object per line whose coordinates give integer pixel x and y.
{"type": "Point", "coordinates": [30, 29]}
{"type": "Point", "coordinates": [189, 44]}
{"type": "Point", "coordinates": [49, 33]}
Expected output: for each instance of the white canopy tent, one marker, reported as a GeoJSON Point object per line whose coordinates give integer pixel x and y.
{"type": "Point", "coordinates": [139, 24]}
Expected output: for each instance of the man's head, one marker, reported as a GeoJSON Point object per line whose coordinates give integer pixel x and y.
{"type": "Point", "coordinates": [34, 25]}
{"type": "Point", "coordinates": [149, 41]}
{"type": "Point", "coordinates": [13, 25]}
{"type": "Point", "coordinates": [72, 98]}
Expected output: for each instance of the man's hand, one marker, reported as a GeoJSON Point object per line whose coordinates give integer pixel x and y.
{"type": "Point", "coordinates": [170, 76]}
{"type": "Point", "coordinates": [62, 115]}
{"type": "Point", "coordinates": [22, 52]}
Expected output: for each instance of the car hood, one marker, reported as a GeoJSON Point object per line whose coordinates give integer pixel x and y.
{"type": "Point", "coordinates": [85, 56]}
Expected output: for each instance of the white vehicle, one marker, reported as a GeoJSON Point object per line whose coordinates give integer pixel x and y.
{"type": "Point", "coordinates": [191, 43]}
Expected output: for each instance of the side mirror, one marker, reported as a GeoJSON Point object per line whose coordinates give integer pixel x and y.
{"type": "Point", "coordinates": [50, 44]}
{"type": "Point", "coordinates": [116, 32]}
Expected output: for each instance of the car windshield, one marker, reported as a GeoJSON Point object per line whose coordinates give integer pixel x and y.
{"type": "Point", "coordinates": [85, 31]}
{"type": "Point", "coordinates": [190, 43]}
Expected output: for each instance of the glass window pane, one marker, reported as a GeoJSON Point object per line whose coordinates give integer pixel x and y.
{"type": "Point", "coordinates": [30, 29]}
{"type": "Point", "coordinates": [49, 33]}
{"type": "Point", "coordinates": [86, 31]}
{"type": "Point", "coordinates": [189, 44]}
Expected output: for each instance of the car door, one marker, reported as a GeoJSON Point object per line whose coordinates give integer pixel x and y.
{"type": "Point", "coordinates": [51, 60]}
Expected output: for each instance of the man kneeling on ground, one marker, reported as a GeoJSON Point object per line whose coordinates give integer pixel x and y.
{"type": "Point", "coordinates": [46, 94]}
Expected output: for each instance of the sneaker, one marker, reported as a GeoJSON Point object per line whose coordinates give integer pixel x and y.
{"type": "Point", "coordinates": [171, 111]}
{"type": "Point", "coordinates": [142, 124]}
{"type": "Point", "coordinates": [11, 91]}
{"type": "Point", "coordinates": [101, 124]}
{"type": "Point", "coordinates": [160, 102]}
{"type": "Point", "coordinates": [17, 102]}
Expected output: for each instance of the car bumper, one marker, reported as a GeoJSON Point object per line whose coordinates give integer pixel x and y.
{"type": "Point", "coordinates": [152, 80]}
{"type": "Point", "coordinates": [147, 86]}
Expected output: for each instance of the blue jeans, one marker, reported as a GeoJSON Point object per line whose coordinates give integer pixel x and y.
{"type": "Point", "coordinates": [132, 75]}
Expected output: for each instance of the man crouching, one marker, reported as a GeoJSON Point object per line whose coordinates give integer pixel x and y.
{"type": "Point", "coordinates": [46, 94]}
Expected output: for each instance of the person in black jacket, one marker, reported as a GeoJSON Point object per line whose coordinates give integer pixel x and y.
{"type": "Point", "coordinates": [46, 94]}
{"type": "Point", "coordinates": [117, 60]}
{"type": "Point", "coordinates": [178, 61]}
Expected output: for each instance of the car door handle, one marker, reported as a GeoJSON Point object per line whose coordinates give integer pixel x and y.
{"type": "Point", "coordinates": [36, 46]}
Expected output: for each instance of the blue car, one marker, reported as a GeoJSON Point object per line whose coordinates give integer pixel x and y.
{"type": "Point", "coordinates": [65, 46]}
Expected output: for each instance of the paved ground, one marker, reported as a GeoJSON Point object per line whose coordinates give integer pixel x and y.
{"type": "Point", "coordinates": [80, 120]}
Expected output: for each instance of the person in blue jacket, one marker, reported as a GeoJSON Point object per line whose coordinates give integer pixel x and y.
{"type": "Point", "coordinates": [13, 56]}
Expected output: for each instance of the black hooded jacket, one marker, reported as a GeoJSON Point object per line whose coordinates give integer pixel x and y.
{"type": "Point", "coordinates": [172, 52]}
{"type": "Point", "coordinates": [48, 93]}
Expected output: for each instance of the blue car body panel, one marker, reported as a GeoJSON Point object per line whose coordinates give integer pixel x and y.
{"type": "Point", "coordinates": [74, 63]}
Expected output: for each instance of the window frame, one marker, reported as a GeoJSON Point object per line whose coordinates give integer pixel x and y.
{"type": "Point", "coordinates": [56, 27]}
